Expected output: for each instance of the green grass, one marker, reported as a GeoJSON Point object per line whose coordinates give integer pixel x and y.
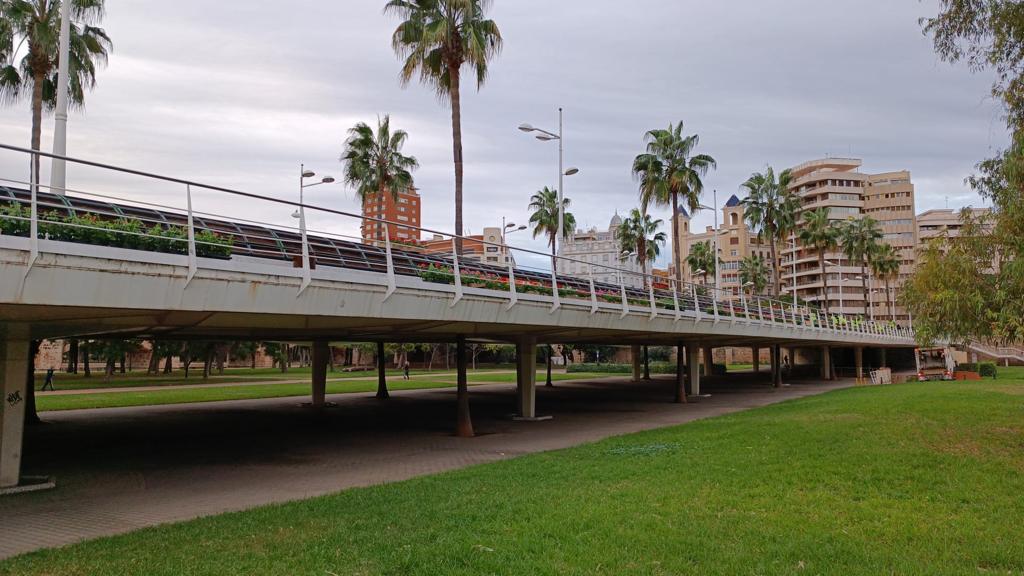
{"type": "Point", "coordinates": [907, 479]}
{"type": "Point", "coordinates": [174, 395]}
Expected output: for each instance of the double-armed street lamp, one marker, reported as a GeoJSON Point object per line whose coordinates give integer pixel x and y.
{"type": "Point", "coordinates": [300, 213]}
{"type": "Point", "coordinates": [547, 136]}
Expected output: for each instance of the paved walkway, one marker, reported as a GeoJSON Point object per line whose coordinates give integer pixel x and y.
{"type": "Point", "coordinates": [121, 469]}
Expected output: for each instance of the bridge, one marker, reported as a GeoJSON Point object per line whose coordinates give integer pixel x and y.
{"type": "Point", "coordinates": [115, 261]}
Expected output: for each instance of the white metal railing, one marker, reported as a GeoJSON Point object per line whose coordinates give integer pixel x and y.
{"type": "Point", "coordinates": [204, 231]}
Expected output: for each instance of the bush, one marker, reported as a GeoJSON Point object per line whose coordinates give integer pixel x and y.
{"type": "Point", "coordinates": [985, 369]}
{"type": "Point", "coordinates": [656, 368]}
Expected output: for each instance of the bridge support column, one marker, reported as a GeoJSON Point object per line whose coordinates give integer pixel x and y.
{"type": "Point", "coordinates": [382, 379]}
{"type": "Point", "coordinates": [776, 366]}
{"type": "Point", "coordinates": [756, 356]}
{"type": "Point", "coordinates": [13, 392]}
{"type": "Point", "coordinates": [882, 359]}
{"type": "Point", "coordinates": [635, 355]}
{"type": "Point", "coordinates": [647, 364]}
{"type": "Point", "coordinates": [680, 374]}
{"type": "Point", "coordinates": [526, 378]}
{"type": "Point", "coordinates": [319, 371]}
{"type": "Point", "coordinates": [709, 359]}
{"type": "Point", "coordinates": [463, 422]}
{"type": "Point", "coordinates": [826, 363]}
{"type": "Point", "coordinates": [858, 360]}
{"type": "Point", "coordinates": [693, 365]}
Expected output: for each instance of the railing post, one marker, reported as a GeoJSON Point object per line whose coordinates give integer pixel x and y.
{"type": "Point", "coordinates": [625, 302]}
{"type": "Point", "coordinates": [760, 311]}
{"type": "Point", "coordinates": [696, 304]}
{"type": "Point", "coordinates": [675, 300]}
{"type": "Point", "coordinates": [593, 291]}
{"type": "Point", "coordinates": [192, 264]}
{"type": "Point", "coordinates": [732, 310]}
{"type": "Point", "coordinates": [556, 302]}
{"type": "Point", "coordinates": [714, 303]}
{"type": "Point", "coordinates": [391, 263]}
{"type": "Point", "coordinates": [513, 296]}
{"type": "Point", "coordinates": [458, 275]}
{"type": "Point", "coordinates": [306, 274]}
{"type": "Point", "coordinates": [746, 307]}
{"type": "Point", "coordinates": [650, 292]}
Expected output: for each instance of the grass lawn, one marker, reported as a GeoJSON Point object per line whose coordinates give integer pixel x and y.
{"type": "Point", "coordinates": [215, 393]}
{"type": "Point", "coordinates": [907, 479]}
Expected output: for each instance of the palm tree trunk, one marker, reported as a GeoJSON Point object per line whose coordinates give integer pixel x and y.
{"type": "Point", "coordinates": [675, 241]}
{"type": "Point", "coordinates": [890, 300]}
{"type": "Point", "coordinates": [37, 120]}
{"type": "Point", "coordinates": [453, 92]}
{"type": "Point", "coordinates": [824, 278]}
{"type": "Point", "coordinates": [776, 268]}
{"type": "Point", "coordinates": [864, 283]}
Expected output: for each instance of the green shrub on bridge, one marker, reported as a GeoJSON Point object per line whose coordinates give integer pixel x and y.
{"type": "Point", "coordinates": [119, 233]}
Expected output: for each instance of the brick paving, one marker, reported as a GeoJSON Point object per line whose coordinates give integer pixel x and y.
{"type": "Point", "coordinates": [120, 469]}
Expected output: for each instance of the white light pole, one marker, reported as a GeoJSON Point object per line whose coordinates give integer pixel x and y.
{"type": "Point", "coordinates": [300, 213]}
{"type": "Point", "coordinates": [58, 168]}
{"type": "Point", "coordinates": [546, 136]}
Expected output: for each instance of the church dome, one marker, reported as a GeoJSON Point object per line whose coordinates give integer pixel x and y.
{"type": "Point", "coordinates": [616, 221]}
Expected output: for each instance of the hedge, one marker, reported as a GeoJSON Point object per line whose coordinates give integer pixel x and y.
{"type": "Point", "coordinates": [985, 369]}
{"type": "Point", "coordinates": [656, 368]}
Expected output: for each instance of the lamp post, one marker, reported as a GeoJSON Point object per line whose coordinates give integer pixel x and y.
{"type": "Point", "coordinates": [715, 237]}
{"type": "Point", "coordinates": [58, 173]}
{"type": "Point", "coordinates": [506, 229]}
{"type": "Point", "coordinates": [546, 136]}
{"type": "Point", "coordinates": [300, 213]}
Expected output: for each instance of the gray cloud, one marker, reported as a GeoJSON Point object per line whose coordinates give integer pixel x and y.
{"type": "Point", "coordinates": [237, 94]}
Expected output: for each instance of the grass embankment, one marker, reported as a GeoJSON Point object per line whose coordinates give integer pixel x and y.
{"type": "Point", "coordinates": [252, 391]}
{"type": "Point", "coordinates": [907, 479]}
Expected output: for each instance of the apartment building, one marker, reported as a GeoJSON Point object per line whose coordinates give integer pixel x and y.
{"type": "Point", "coordinates": [597, 251]}
{"type": "Point", "coordinates": [942, 223]}
{"type": "Point", "coordinates": [839, 185]}
{"type": "Point", "coordinates": [403, 209]}
{"type": "Point", "coordinates": [488, 247]}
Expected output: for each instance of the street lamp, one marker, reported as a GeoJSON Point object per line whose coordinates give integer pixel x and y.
{"type": "Point", "coordinates": [546, 136]}
{"type": "Point", "coordinates": [302, 187]}
{"type": "Point", "coordinates": [301, 215]}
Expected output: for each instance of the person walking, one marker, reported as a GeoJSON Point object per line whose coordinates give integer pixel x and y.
{"type": "Point", "coordinates": [405, 371]}
{"type": "Point", "coordinates": [48, 382]}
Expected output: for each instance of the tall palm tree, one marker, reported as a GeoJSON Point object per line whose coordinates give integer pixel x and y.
{"type": "Point", "coordinates": [770, 208]}
{"type": "Point", "coordinates": [544, 217]}
{"type": "Point", "coordinates": [639, 238]}
{"type": "Point", "coordinates": [667, 170]}
{"type": "Point", "coordinates": [885, 264]}
{"type": "Point", "coordinates": [858, 238]}
{"type": "Point", "coordinates": [435, 40]}
{"type": "Point", "coordinates": [35, 24]}
{"type": "Point", "coordinates": [819, 233]}
{"type": "Point", "coordinates": [702, 259]}
{"type": "Point", "coordinates": [754, 270]}
{"type": "Point", "coordinates": [374, 163]}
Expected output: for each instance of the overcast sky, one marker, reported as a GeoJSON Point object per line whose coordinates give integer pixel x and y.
{"type": "Point", "coordinates": [239, 93]}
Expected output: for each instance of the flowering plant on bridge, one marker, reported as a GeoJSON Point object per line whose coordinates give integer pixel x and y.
{"type": "Point", "coordinates": [116, 232]}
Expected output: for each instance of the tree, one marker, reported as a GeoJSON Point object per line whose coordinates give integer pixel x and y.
{"type": "Point", "coordinates": [374, 163]}
{"type": "Point", "coordinates": [544, 217]}
{"type": "Point", "coordinates": [639, 238]}
{"type": "Point", "coordinates": [435, 40]}
{"type": "Point", "coordinates": [35, 24]}
{"type": "Point", "coordinates": [885, 262]}
{"type": "Point", "coordinates": [819, 233]}
{"type": "Point", "coordinates": [702, 259]}
{"type": "Point", "coordinates": [667, 170]}
{"type": "Point", "coordinates": [770, 208]}
{"type": "Point", "coordinates": [858, 238]}
{"type": "Point", "coordinates": [754, 270]}
{"type": "Point", "coordinates": [278, 351]}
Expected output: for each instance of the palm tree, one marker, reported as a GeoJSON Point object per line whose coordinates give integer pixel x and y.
{"type": "Point", "coordinates": [702, 259]}
{"type": "Point", "coordinates": [668, 170]}
{"type": "Point", "coordinates": [35, 24]}
{"type": "Point", "coordinates": [754, 270]}
{"type": "Point", "coordinates": [858, 238]}
{"type": "Point", "coordinates": [435, 40]}
{"type": "Point", "coordinates": [885, 264]}
{"type": "Point", "coordinates": [771, 209]}
{"type": "Point", "coordinates": [639, 238]}
{"type": "Point", "coordinates": [544, 217]}
{"type": "Point", "coordinates": [819, 233]}
{"type": "Point", "coordinates": [374, 163]}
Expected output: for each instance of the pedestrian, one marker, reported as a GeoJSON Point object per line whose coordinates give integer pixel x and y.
{"type": "Point", "coordinates": [48, 383]}
{"type": "Point", "coordinates": [405, 371]}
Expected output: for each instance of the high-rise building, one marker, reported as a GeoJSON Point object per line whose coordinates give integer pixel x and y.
{"type": "Point", "coordinates": [597, 251]}
{"type": "Point", "coordinates": [403, 209]}
{"type": "Point", "coordinates": [942, 223]}
{"type": "Point", "coordinates": [839, 185]}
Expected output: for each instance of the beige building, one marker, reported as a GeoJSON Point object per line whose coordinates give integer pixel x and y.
{"type": "Point", "coordinates": [941, 223]}
{"type": "Point", "coordinates": [839, 185]}
{"type": "Point", "coordinates": [488, 247]}
{"type": "Point", "coordinates": [598, 250]}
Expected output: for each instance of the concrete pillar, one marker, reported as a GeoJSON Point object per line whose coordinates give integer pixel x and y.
{"type": "Point", "coordinates": [13, 391]}
{"type": "Point", "coordinates": [526, 378]}
{"type": "Point", "coordinates": [319, 370]}
{"type": "Point", "coordinates": [776, 366]}
{"type": "Point", "coordinates": [382, 379]}
{"type": "Point", "coordinates": [756, 355]}
{"type": "Point", "coordinates": [635, 354]}
{"type": "Point", "coordinates": [463, 422]}
{"type": "Point", "coordinates": [882, 361]}
{"type": "Point", "coordinates": [680, 374]}
{"type": "Point", "coordinates": [647, 364]}
{"type": "Point", "coordinates": [693, 361]}
{"type": "Point", "coordinates": [858, 360]}
{"type": "Point", "coordinates": [826, 363]}
{"type": "Point", "coordinates": [709, 359]}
